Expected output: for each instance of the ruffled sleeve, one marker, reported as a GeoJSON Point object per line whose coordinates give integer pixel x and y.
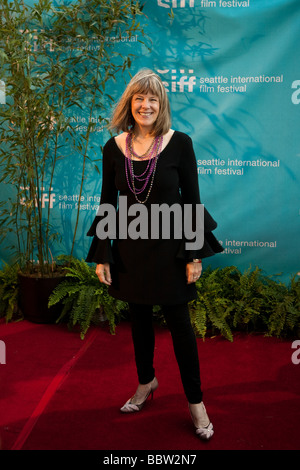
{"type": "Point", "coordinates": [190, 194]}
{"type": "Point", "coordinates": [100, 250]}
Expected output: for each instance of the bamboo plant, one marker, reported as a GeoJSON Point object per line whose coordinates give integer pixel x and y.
{"type": "Point", "coordinates": [55, 60]}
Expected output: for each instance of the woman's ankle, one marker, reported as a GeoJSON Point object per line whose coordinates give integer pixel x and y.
{"type": "Point", "coordinates": [199, 415]}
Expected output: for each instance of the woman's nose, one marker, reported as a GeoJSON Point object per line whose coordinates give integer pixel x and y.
{"type": "Point", "coordinates": [145, 103]}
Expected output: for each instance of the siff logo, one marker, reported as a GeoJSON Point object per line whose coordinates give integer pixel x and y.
{"type": "Point", "coordinates": [2, 353]}
{"type": "Point", "coordinates": [2, 92]}
{"type": "Point", "coordinates": [296, 354]}
{"type": "Point", "coordinates": [182, 81]}
{"type": "Point", "coordinates": [175, 3]}
{"type": "Point", "coordinates": [296, 94]}
{"type": "Point", "coordinates": [46, 197]}
{"type": "Point", "coordinates": [32, 40]}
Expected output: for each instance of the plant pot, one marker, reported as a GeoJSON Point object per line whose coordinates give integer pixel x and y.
{"type": "Point", "coordinates": [34, 294]}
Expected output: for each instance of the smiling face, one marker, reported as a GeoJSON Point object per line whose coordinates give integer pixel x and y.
{"type": "Point", "coordinates": [145, 109]}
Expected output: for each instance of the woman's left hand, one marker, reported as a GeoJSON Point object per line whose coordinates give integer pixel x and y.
{"type": "Point", "coordinates": [193, 272]}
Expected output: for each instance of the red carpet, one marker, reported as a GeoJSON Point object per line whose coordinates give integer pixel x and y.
{"type": "Point", "coordinates": [59, 392]}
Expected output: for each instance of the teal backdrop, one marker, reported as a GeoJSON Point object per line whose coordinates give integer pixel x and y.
{"type": "Point", "coordinates": [232, 72]}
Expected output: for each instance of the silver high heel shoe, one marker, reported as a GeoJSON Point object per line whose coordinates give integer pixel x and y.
{"type": "Point", "coordinates": [130, 407]}
{"type": "Point", "coordinates": [205, 431]}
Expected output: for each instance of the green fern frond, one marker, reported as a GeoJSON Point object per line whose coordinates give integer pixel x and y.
{"type": "Point", "coordinates": [83, 296]}
{"type": "Point", "coordinates": [64, 289]}
{"type": "Point", "coordinates": [9, 291]}
{"type": "Point", "coordinates": [198, 319]}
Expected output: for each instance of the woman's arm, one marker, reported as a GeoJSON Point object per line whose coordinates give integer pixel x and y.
{"type": "Point", "coordinates": [100, 250]}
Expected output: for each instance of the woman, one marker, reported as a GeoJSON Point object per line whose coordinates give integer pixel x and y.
{"type": "Point", "coordinates": [149, 163]}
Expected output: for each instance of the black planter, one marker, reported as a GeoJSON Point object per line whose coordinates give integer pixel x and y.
{"type": "Point", "coordinates": [34, 294]}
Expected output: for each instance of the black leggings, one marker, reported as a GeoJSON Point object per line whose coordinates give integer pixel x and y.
{"type": "Point", "coordinates": [184, 342]}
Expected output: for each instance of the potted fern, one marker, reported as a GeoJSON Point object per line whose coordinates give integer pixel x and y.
{"type": "Point", "coordinates": [55, 62]}
{"type": "Point", "coordinates": [229, 300]}
{"type": "Point", "coordinates": [9, 291]}
{"type": "Point", "coordinates": [84, 300]}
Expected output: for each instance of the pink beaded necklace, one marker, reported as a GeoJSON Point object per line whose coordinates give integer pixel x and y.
{"type": "Point", "coordinates": [150, 170]}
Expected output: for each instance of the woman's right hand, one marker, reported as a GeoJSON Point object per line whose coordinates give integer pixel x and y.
{"type": "Point", "coordinates": [103, 273]}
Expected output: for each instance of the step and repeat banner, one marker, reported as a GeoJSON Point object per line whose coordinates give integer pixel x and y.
{"type": "Point", "coordinates": [232, 73]}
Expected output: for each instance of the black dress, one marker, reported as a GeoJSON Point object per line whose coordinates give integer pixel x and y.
{"type": "Point", "coordinates": [152, 271]}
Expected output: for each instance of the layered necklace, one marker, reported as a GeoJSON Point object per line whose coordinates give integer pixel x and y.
{"type": "Point", "coordinates": [151, 155]}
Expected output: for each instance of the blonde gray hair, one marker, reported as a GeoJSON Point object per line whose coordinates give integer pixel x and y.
{"type": "Point", "coordinates": [144, 81]}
